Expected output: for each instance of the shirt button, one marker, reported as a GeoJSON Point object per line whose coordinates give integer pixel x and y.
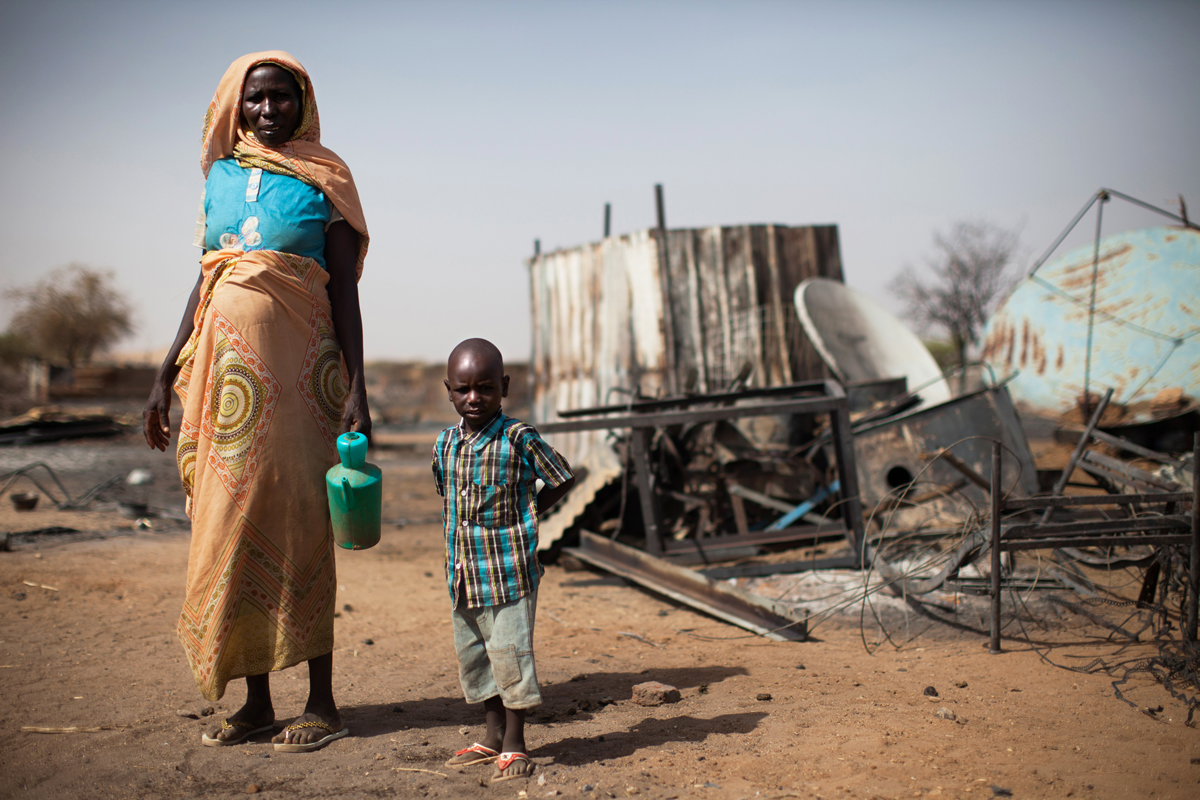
{"type": "Point", "coordinates": [464, 523]}
{"type": "Point", "coordinates": [463, 492]}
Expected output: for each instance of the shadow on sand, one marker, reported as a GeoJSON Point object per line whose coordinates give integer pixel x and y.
{"type": "Point", "coordinates": [572, 700]}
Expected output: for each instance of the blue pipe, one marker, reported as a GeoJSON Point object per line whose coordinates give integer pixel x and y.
{"type": "Point", "coordinates": [805, 507]}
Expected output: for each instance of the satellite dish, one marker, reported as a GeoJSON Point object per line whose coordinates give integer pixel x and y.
{"type": "Point", "coordinates": [860, 340]}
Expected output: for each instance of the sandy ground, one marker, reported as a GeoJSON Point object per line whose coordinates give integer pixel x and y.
{"type": "Point", "coordinates": [92, 644]}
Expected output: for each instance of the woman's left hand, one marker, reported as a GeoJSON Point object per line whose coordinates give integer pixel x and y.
{"type": "Point", "coordinates": [341, 256]}
{"type": "Point", "coordinates": [356, 416]}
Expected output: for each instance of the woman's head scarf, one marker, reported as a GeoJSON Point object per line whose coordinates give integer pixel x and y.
{"type": "Point", "coordinates": [303, 157]}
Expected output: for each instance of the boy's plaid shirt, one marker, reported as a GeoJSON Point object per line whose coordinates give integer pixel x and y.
{"type": "Point", "coordinates": [489, 507]}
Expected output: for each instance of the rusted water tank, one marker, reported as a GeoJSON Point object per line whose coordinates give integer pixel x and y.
{"type": "Point", "coordinates": [1145, 328]}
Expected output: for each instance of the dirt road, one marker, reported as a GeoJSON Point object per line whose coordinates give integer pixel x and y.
{"type": "Point", "coordinates": [91, 644]}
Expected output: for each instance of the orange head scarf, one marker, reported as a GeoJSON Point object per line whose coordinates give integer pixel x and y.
{"type": "Point", "coordinates": [303, 157]}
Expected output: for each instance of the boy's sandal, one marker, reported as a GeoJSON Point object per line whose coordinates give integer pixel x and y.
{"type": "Point", "coordinates": [308, 747]}
{"type": "Point", "coordinates": [475, 754]}
{"type": "Point", "coordinates": [512, 765]}
{"type": "Point", "coordinates": [245, 731]}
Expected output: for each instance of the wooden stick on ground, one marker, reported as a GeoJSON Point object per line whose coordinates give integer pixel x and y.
{"type": "Point", "coordinates": [414, 769]}
{"type": "Point", "coordinates": [640, 638]}
{"type": "Point", "coordinates": [73, 729]}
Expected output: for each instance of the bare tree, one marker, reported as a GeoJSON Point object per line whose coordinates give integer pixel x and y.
{"type": "Point", "coordinates": [71, 314]}
{"type": "Point", "coordinates": [968, 275]}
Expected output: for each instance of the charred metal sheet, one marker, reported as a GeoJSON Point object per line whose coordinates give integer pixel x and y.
{"type": "Point", "coordinates": [1145, 340]}
{"type": "Point", "coordinates": [815, 388]}
{"type": "Point", "coordinates": [719, 548]}
{"type": "Point", "coordinates": [744, 609]}
{"type": "Point", "coordinates": [1124, 445]}
{"type": "Point", "coordinates": [599, 468]}
{"type": "Point", "coordinates": [866, 395]}
{"type": "Point", "coordinates": [1123, 472]}
{"type": "Point", "coordinates": [598, 316]}
{"type": "Point", "coordinates": [1021, 504]}
{"type": "Point", "coordinates": [762, 570]}
{"type": "Point", "coordinates": [892, 453]}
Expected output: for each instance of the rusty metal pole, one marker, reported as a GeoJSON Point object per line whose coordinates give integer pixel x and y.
{"type": "Point", "coordinates": [843, 444]}
{"type": "Point", "coordinates": [668, 318]}
{"type": "Point", "coordinates": [645, 486]}
{"type": "Point", "coordinates": [995, 554]}
{"type": "Point", "coordinates": [1061, 484]}
{"type": "Point", "coordinates": [1193, 598]}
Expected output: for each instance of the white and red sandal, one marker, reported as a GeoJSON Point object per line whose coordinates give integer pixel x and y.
{"type": "Point", "coordinates": [470, 756]}
{"type": "Point", "coordinates": [507, 760]}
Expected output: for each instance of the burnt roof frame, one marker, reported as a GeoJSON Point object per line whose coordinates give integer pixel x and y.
{"type": "Point", "coordinates": [832, 400]}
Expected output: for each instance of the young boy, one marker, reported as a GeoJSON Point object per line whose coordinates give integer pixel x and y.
{"type": "Point", "coordinates": [485, 469]}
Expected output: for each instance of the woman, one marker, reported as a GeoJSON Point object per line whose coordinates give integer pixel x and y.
{"type": "Point", "coordinates": [258, 367]}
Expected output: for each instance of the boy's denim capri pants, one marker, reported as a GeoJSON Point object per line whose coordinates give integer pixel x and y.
{"type": "Point", "coordinates": [495, 652]}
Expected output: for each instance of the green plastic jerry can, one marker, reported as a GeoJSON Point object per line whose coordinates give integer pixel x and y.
{"type": "Point", "coordinates": [355, 491]}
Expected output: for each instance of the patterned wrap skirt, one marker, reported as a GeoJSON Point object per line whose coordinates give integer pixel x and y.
{"type": "Point", "coordinates": [262, 385]}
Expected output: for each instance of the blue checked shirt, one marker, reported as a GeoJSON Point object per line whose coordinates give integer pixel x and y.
{"type": "Point", "coordinates": [489, 507]}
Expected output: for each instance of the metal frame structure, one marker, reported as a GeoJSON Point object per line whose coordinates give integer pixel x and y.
{"type": "Point", "coordinates": [1168, 528]}
{"type": "Point", "coordinates": [643, 418]}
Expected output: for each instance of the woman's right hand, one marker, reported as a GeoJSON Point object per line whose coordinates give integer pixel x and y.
{"type": "Point", "coordinates": [156, 416]}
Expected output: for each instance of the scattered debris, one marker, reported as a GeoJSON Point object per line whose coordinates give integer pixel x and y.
{"type": "Point", "coordinates": [945, 713]}
{"type": "Point", "coordinates": [52, 424]}
{"type": "Point", "coordinates": [654, 693]}
{"type": "Point", "coordinates": [696, 460]}
{"type": "Point", "coordinates": [132, 510]}
{"type": "Point", "coordinates": [139, 477]}
{"type": "Point", "coordinates": [24, 501]}
{"type": "Point", "coordinates": [764, 696]}
{"type": "Point", "coordinates": [930, 691]}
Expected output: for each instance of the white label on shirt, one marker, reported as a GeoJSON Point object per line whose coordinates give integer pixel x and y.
{"type": "Point", "coordinates": [252, 185]}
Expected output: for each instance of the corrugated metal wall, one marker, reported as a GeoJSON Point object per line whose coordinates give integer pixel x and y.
{"type": "Point", "coordinates": [599, 317]}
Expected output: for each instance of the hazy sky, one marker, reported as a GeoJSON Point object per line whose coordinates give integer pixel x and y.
{"type": "Point", "coordinates": [474, 128]}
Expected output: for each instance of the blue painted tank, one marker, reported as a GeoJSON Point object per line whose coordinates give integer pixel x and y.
{"type": "Point", "coordinates": [1146, 334]}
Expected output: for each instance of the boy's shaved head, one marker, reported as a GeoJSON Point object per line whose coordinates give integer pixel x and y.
{"type": "Point", "coordinates": [475, 381]}
{"type": "Point", "coordinates": [485, 354]}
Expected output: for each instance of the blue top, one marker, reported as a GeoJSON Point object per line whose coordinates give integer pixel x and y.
{"type": "Point", "coordinates": [249, 209]}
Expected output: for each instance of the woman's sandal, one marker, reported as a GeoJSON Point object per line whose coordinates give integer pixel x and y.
{"type": "Point", "coordinates": [475, 754]}
{"type": "Point", "coordinates": [509, 760]}
{"type": "Point", "coordinates": [289, 747]}
{"type": "Point", "coordinates": [245, 731]}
